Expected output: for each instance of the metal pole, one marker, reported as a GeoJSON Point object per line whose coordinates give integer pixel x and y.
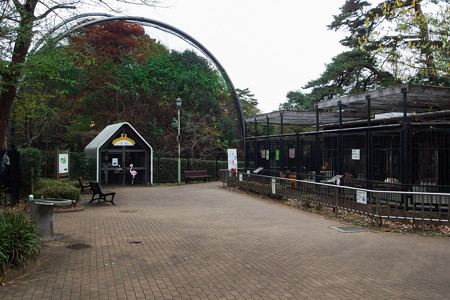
{"type": "Point", "coordinates": [317, 147]}
{"type": "Point", "coordinates": [369, 150]}
{"type": "Point", "coordinates": [179, 148]}
{"type": "Point", "coordinates": [340, 147]}
{"type": "Point", "coordinates": [281, 156]}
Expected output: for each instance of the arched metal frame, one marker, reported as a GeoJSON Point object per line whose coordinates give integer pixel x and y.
{"type": "Point", "coordinates": [106, 18]}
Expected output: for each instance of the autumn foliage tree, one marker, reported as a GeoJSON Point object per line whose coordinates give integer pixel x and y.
{"type": "Point", "coordinates": [108, 41]}
{"type": "Point", "coordinates": [21, 23]}
{"type": "Point", "coordinates": [118, 73]}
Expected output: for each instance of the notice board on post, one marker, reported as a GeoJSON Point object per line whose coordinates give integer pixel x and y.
{"type": "Point", "coordinates": [232, 159]}
{"type": "Point", "coordinates": [62, 164]}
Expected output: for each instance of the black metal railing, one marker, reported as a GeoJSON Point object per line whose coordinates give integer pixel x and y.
{"type": "Point", "coordinates": [376, 203]}
{"type": "Point", "coordinates": [9, 177]}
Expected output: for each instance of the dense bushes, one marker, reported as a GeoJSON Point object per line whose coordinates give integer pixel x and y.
{"type": "Point", "coordinates": [51, 188]}
{"type": "Point", "coordinates": [19, 241]}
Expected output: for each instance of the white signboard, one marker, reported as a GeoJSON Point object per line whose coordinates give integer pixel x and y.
{"type": "Point", "coordinates": [361, 197]}
{"type": "Point", "coordinates": [274, 182]}
{"type": "Point", "coordinates": [356, 154]}
{"type": "Point", "coordinates": [63, 161]}
{"type": "Point", "coordinates": [115, 162]}
{"type": "Point", "coordinates": [232, 159]}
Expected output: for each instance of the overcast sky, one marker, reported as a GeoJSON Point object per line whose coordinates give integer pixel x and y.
{"type": "Point", "coordinates": [270, 47]}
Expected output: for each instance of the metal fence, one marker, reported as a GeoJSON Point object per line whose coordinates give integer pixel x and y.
{"type": "Point", "coordinates": [378, 204]}
{"type": "Point", "coordinates": [9, 177]}
{"type": "Point", "coordinates": [164, 168]}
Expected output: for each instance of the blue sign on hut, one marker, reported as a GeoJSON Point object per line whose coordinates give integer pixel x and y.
{"type": "Point", "coordinates": [122, 156]}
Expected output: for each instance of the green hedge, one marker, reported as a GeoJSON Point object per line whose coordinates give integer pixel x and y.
{"type": "Point", "coordinates": [52, 188]}
{"type": "Point", "coordinates": [166, 169]}
{"type": "Point", "coordinates": [19, 241]}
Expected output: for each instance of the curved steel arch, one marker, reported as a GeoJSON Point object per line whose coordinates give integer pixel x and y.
{"type": "Point", "coordinates": [167, 28]}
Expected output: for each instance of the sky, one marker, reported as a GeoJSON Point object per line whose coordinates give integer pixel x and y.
{"type": "Point", "coordinates": [270, 47]}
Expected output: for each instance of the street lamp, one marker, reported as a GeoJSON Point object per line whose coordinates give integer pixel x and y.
{"type": "Point", "coordinates": [178, 102]}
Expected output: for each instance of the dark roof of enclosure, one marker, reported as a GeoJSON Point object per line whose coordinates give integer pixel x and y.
{"type": "Point", "coordinates": [420, 99]}
{"type": "Point", "coordinates": [298, 117]}
{"type": "Point", "coordinates": [388, 101]}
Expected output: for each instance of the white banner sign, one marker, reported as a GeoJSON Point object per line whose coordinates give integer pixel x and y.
{"type": "Point", "coordinates": [63, 161]}
{"type": "Point", "coordinates": [232, 159]}
{"type": "Point", "coordinates": [274, 182]}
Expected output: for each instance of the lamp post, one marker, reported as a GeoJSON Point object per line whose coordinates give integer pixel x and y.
{"type": "Point", "coordinates": [178, 102]}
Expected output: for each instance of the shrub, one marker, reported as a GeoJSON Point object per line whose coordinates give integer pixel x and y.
{"type": "Point", "coordinates": [52, 188]}
{"type": "Point", "coordinates": [31, 161]}
{"type": "Point", "coordinates": [19, 241]}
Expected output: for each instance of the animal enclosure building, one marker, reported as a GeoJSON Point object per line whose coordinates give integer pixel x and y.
{"type": "Point", "coordinates": [398, 135]}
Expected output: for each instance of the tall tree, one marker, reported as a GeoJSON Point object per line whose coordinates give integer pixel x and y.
{"type": "Point", "coordinates": [297, 100]}
{"type": "Point", "coordinates": [20, 21]}
{"type": "Point", "coordinates": [49, 77]}
{"type": "Point", "coordinates": [392, 42]}
{"type": "Point", "coordinates": [249, 103]}
{"type": "Point", "coordinates": [410, 39]}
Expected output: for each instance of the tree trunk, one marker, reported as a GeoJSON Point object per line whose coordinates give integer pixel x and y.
{"type": "Point", "coordinates": [6, 101]}
{"type": "Point", "coordinates": [12, 74]}
{"type": "Point", "coordinates": [426, 52]}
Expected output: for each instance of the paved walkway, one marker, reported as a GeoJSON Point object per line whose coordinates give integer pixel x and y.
{"type": "Point", "coordinates": [200, 241]}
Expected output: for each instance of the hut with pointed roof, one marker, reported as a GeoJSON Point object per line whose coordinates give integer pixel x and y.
{"type": "Point", "coordinates": [119, 150]}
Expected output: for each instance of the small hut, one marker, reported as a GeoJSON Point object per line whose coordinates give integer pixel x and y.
{"type": "Point", "coordinates": [122, 155]}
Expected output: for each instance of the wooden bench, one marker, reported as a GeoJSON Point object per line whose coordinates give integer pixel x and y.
{"type": "Point", "coordinates": [83, 186]}
{"type": "Point", "coordinates": [189, 175]}
{"type": "Point", "coordinates": [96, 190]}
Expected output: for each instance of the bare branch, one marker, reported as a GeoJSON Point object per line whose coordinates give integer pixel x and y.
{"type": "Point", "coordinates": [52, 9]}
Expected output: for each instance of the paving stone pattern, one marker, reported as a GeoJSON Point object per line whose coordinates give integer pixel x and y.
{"type": "Point", "coordinates": [200, 241]}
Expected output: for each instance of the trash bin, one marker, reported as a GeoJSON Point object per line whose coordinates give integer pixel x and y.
{"type": "Point", "coordinates": [41, 213]}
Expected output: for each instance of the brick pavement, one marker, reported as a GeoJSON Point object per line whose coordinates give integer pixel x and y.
{"type": "Point", "coordinates": [200, 241]}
